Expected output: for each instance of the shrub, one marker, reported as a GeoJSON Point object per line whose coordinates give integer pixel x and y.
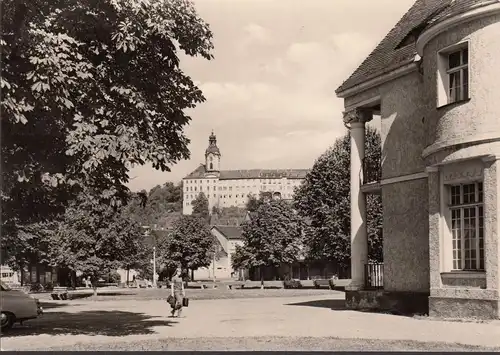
{"type": "Point", "coordinates": [114, 277]}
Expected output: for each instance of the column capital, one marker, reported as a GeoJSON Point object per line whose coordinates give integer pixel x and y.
{"type": "Point", "coordinates": [358, 115]}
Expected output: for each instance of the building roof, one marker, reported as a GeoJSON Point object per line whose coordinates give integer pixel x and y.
{"type": "Point", "coordinates": [230, 232]}
{"type": "Point", "coordinates": [200, 172]}
{"type": "Point", "coordinates": [398, 48]}
{"type": "Point", "coordinates": [263, 174]}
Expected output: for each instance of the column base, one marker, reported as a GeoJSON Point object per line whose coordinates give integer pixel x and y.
{"type": "Point", "coordinates": [388, 301]}
{"type": "Point", "coordinates": [355, 286]}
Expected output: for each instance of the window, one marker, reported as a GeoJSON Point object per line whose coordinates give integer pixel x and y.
{"type": "Point", "coordinates": [453, 75]}
{"type": "Point", "coordinates": [458, 76]}
{"type": "Point", "coordinates": [467, 226]}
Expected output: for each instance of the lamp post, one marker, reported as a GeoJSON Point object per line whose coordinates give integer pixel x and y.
{"type": "Point", "coordinates": [154, 266]}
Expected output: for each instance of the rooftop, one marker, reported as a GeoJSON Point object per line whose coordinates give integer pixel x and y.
{"type": "Point", "coordinates": [398, 48]}
{"type": "Point", "coordinates": [200, 172]}
{"type": "Point", "coordinates": [230, 232]}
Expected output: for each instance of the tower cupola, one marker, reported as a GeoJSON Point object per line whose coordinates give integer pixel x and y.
{"type": "Point", "coordinates": [212, 154]}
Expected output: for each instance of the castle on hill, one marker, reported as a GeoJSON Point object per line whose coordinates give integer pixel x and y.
{"type": "Point", "coordinates": [228, 188]}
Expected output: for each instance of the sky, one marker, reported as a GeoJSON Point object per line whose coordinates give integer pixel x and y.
{"type": "Point", "coordinates": [271, 88]}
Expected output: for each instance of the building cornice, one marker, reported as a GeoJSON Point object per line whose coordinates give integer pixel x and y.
{"type": "Point", "coordinates": [379, 80]}
{"type": "Point", "coordinates": [476, 139]}
{"type": "Point", "coordinates": [439, 27]}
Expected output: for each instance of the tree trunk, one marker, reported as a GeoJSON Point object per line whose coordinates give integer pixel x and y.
{"type": "Point", "coordinates": [261, 278]}
{"type": "Point", "coordinates": [128, 273]}
{"type": "Point", "coordinates": [94, 285]}
{"type": "Point", "coordinates": [21, 268]}
{"type": "Point", "coordinates": [73, 280]}
{"type": "Point", "coordinates": [192, 275]}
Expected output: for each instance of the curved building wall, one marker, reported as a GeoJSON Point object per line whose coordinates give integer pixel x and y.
{"type": "Point", "coordinates": [477, 119]}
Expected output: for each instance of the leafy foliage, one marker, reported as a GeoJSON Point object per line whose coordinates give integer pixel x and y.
{"type": "Point", "coordinates": [188, 245]}
{"type": "Point", "coordinates": [157, 206]}
{"type": "Point", "coordinates": [271, 237]}
{"type": "Point", "coordinates": [324, 198]}
{"type": "Point", "coordinates": [32, 245]}
{"type": "Point", "coordinates": [228, 216]}
{"type": "Point", "coordinates": [90, 88]}
{"type": "Point", "coordinates": [201, 207]}
{"type": "Point", "coordinates": [253, 203]}
{"type": "Point", "coordinates": [94, 238]}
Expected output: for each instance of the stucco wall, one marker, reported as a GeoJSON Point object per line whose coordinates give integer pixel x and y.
{"type": "Point", "coordinates": [403, 135]}
{"type": "Point", "coordinates": [406, 238]}
{"type": "Point", "coordinates": [478, 118]}
{"type": "Point", "coordinates": [229, 193]}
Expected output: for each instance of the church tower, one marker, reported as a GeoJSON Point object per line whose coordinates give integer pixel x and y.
{"type": "Point", "coordinates": [212, 155]}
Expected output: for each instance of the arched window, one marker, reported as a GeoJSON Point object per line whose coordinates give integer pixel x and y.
{"type": "Point", "coordinates": [211, 166]}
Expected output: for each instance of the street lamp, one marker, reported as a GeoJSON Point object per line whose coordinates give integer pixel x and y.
{"type": "Point", "coordinates": [146, 233]}
{"type": "Point", "coordinates": [154, 266]}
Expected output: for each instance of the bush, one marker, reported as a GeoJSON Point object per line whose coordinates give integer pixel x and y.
{"type": "Point", "coordinates": [114, 277]}
{"type": "Point", "coordinates": [36, 287]}
{"type": "Point", "coordinates": [49, 286]}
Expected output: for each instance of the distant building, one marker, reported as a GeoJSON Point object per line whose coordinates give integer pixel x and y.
{"type": "Point", "coordinates": [227, 188]}
{"type": "Point", "coordinates": [228, 237]}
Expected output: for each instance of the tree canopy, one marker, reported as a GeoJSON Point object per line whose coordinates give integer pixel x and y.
{"type": "Point", "coordinates": [89, 89]}
{"type": "Point", "coordinates": [188, 245]}
{"type": "Point", "coordinates": [324, 199]}
{"type": "Point", "coordinates": [272, 236]}
{"type": "Point", "coordinates": [94, 238]}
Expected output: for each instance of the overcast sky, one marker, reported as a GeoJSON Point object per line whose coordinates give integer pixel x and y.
{"type": "Point", "coordinates": [270, 89]}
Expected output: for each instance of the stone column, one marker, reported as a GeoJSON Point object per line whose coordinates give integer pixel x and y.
{"type": "Point", "coordinates": [356, 120]}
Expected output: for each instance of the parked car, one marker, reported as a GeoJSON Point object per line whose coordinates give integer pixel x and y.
{"type": "Point", "coordinates": [17, 306]}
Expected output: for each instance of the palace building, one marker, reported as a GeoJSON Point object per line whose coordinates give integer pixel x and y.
{"type": "Point", "coordinates": [434, 82]}
{"type": "Point", "coordinates": [228, 188]}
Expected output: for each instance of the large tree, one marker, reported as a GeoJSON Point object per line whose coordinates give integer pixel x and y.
{"type": "Point", "coordinates": [272, 236]}
{"type": "Point", "coordinates": [94, 238]}
{"type": "Point", "coordinates": [89, 89]}
{"type": "Point", "coordinates": [324, 199]}
{"type": "Point", "coordinates": [33, 245]}
{"type": "Point", "coordinates": [189, 244]}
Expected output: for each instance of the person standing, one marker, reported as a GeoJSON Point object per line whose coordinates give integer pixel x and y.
{"type": "Point", "coordinates": [178, 293]}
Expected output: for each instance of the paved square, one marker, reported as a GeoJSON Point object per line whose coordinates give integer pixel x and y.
{"type": "Point", "coordinates": [100, 324]}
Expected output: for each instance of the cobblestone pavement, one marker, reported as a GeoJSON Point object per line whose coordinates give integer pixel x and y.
{"type": "Point", "coordinates": [100, 324]}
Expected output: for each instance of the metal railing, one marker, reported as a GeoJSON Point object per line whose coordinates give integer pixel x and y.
{"type": "Point", "coordinates": [374, 276]}
{"type": "Point", "coordinates": [371, 172]}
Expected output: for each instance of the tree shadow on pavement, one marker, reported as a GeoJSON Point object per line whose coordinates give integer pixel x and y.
{"type": "Point", "coordinates": [108, 323]}
{"type": "Point", "coordinates": [335, 304]}
{"type": "Point", "coordinates": [52, 305]}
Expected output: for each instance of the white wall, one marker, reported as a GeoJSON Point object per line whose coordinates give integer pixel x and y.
{"type": "Point", "coordinates": [9, 276]}
{"type": "Point", "coordinates": [233, 193]}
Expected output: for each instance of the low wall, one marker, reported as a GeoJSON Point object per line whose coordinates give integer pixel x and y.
{"type": "Point", "coordinates": [388, 301]}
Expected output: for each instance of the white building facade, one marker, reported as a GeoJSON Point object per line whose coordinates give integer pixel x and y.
{"type": "Point", "coordinates": [230, 188]}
